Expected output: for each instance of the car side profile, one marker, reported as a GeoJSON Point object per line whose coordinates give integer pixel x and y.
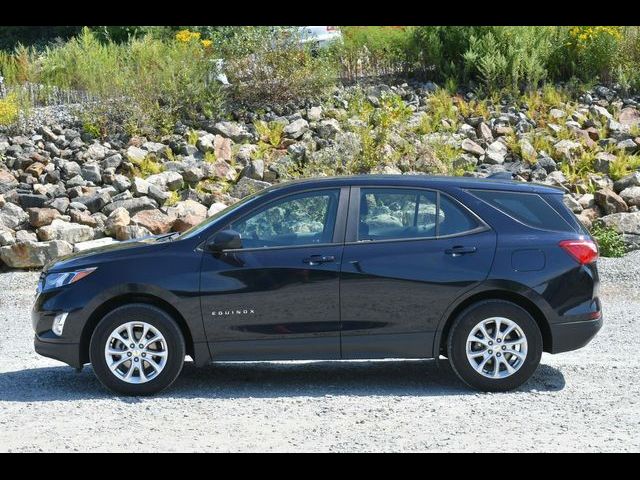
{"type": "Point", "coordinates": [486, 272]}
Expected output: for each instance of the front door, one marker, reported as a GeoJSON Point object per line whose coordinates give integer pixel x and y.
{"type": "Point", "coordinates": [409, 254]}
{"type": "Point", "coordinates": [277, 297]}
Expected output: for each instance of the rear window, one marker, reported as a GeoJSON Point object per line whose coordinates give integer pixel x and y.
{"type": "Point", "coordinates": [528, 208]}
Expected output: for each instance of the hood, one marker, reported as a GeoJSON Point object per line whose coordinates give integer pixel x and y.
{"type": "Point", "coordinates": [107, 253]}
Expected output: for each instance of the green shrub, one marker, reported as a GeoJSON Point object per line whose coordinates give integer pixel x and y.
{"type": "Point", "coordinates": [509, 57]}
{"type": "Point", "coordinates": [147, 166]}
{"type": "Point", "coordinates": [610, 243]}
{"type": "Point", "coordinates": [9, 110]}
{"type": "Point", "coordinates": [623, 165]}
{"type": "Point", "coordinates": [280, 70]}
{"type": "Point", "coordinates": [152, 82]}
{"type": "Point", "coordinates": [377, 50]}
{"type": "Point", "coordinates": [270, 132]}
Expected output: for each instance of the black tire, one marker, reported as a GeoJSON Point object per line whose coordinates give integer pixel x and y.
{"type": "Point", "coordinates": [160, 320]}
{"type": "Point", "coordinates": [464, 324]}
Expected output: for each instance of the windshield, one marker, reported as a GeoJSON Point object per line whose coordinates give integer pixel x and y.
{"type": "Point", "coordinates": [198, 229]}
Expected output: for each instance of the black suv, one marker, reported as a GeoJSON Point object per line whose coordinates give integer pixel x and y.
{"type": "Point", "coordinates": [487, 272]}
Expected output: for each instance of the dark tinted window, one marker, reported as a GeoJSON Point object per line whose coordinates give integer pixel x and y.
{"type": "Point", "coordinates": [388, 213]}
{"type": "Point", "coordinates": [454, 218]}
{"type": "Point", "coordinates": [528, 208]}
{"type": "Point", "coordinates": [300, 219]}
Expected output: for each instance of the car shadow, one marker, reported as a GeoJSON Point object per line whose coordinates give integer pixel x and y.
{"type": "Point", "coordinates": [268, 380]}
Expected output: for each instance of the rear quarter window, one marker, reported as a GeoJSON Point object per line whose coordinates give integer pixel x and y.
{"type": "Point", "coordinates": [528, 208]}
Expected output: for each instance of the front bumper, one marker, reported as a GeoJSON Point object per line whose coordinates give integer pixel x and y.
{"type": "Point", "coordinates": [573, 335]}
{"type": "Point", "coordinates": [68, 353]}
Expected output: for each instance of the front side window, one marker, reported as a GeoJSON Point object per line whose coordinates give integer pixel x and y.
{"type": "Point", "coordinates": [387, 214]}
{"type": "Point", "coordinates": [301, 219]}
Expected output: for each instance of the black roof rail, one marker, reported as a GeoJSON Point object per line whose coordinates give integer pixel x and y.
{"type": "Point", "coordinates": [501, 176]}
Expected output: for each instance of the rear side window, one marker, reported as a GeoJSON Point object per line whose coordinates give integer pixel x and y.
{"type": "Point", "coordinates": [388, 213]}
{"type": "Point", "coordinates": [527, 208]}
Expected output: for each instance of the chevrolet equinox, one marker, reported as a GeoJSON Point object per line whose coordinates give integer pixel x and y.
{"type": "Point", "coordinates": [488, 273]}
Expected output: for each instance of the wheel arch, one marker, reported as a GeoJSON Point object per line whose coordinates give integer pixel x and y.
{"type": "Point", "coordinates": [129, 298]}
{"type": "Point", "coordinates": [494, 294]}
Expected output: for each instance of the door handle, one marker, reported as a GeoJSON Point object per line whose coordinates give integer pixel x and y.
{"type": "Point", "coordinates": [318, 259]}
{"type": "Point", "coordinates": [459, 250]}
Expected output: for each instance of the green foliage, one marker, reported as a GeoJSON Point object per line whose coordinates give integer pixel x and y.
{"type": "Point", "coordinates": [381, 50]}
{"type": "Point", "coordinates": [192, 137]}
{"type": "Point", "coordinates": [374, 127]}
{"type": "Point", "coordinates": [509, 57]}
{"type": "Point", "coordinates": [623, 165]}
{"type": "Point", "coordinates": [440, 109]}
{"type": "Point", "coordinates": [279, 70]}
{"type": "Point", "coordinates": [151, 82]}
{"type": "Point", "coordinates": [577, 171]}
{"type": "Point", "coordinates": [147, 166]}
{"type": "Point", "coordinates": [174, 197]}
{"type": "Point", "coordinates": [610, 243]}
{"type": "Point", "coordinates": [270, 132]}
{"type": "Point", "coordinates": [9, 110]}
{"type": "Point", "coordinates": [210, 157]}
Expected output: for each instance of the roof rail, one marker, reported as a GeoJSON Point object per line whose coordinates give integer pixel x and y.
{"type": "Point", "coordinates": [501, 176]}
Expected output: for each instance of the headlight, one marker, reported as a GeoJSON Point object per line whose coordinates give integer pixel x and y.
{"type": "Point", "coordinates": [56, 280]}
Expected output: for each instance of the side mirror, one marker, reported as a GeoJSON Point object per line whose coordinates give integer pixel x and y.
{"type": "Point", "coordinates": [224, 240]}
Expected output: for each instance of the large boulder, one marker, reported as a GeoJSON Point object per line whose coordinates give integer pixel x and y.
{"type": "Point", "coordinates": [66, 231]}
{"type": "Point", "coordinates": [496, 153]}
{"type": "Point", "coordinates": [629, 116]}
{"type": "Point", "coordinates": [12, 216]}
{"type": "Point", "coordinates": [247, 186]}
{"type": "Point", "coordinates": [187, 207]}
{"type": "Point", "coordinates": [472, 147]}
{"type": "Point", "coordinates": [34, 254]}
{"type": "Point", "coordinates": [631, 180]}
{"type": "Point", "coordinates": [131, 232]}
{"type": "Point", "coordinates": [136, 154]}
{"type": "Point", "coordinates": [39, 217]}
{"type": "Point", "coordinates": [7, 181]}
{"type": "Point", "coordinates": [153, 220]}
{"type": "Point", "coordinates": [296, 128]}
{"type": "Point", "coordinates": [132, 205]}
{"type": "Point", "coordinates": [91, 244]}
{"type": "Point", "coordinates": [610, 202]}
{"type": "Point", "coordinates": [215, 208]}
{"type": "Point", "coordinates": [233, 130]}
{"type": "Point", "coordinates": [631, 196]}
{"type": "Point", "coordinates": [118, 218]}
{"type": "Point", "coordinates": [166, 180]}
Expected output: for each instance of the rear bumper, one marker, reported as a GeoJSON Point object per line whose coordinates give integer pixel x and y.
{"type": "Point", "coordinates": [68, 353]}
{"type": "Point", "coordinates": [573, 335]}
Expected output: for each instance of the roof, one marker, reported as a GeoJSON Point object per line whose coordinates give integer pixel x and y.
{"type": "Point", "coordinates": [432, 181]}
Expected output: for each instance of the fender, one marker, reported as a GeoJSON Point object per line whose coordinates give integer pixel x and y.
{"type": "Point", "coordinates": [498, 286]}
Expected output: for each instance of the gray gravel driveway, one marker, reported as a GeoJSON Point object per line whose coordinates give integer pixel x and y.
{"type": "Point", "coordinates": [587, 400]}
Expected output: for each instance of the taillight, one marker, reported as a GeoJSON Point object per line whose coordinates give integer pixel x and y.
{"type": "Point", "coordinates": [584, 251]}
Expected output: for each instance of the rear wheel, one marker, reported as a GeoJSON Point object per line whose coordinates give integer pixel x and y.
{"type": "Point", "coordinates": [137, 349]}
{"type": "Point", "coordinates": [494, 345]}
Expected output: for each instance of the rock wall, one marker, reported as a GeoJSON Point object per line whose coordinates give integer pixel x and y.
{"type": "Point", "coordinates": [62, 190]}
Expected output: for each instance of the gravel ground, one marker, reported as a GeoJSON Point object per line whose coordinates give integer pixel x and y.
{"type": "Point", "coordinates": [585, 400]}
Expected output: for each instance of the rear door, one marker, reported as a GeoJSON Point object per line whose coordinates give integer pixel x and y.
{"type": "Point", "coordinates": [409, 253]}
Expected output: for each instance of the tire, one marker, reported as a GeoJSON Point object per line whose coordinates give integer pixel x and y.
{"type": "Point", "coordinates": [167, 354]}
{"type": "Point", "coordinates": [515, 359]}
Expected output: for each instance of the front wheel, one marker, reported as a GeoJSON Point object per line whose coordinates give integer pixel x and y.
{"type": "Point", "coordinates": [495, 346]}
{"type": "Point", "coordinates": [137, 349]}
